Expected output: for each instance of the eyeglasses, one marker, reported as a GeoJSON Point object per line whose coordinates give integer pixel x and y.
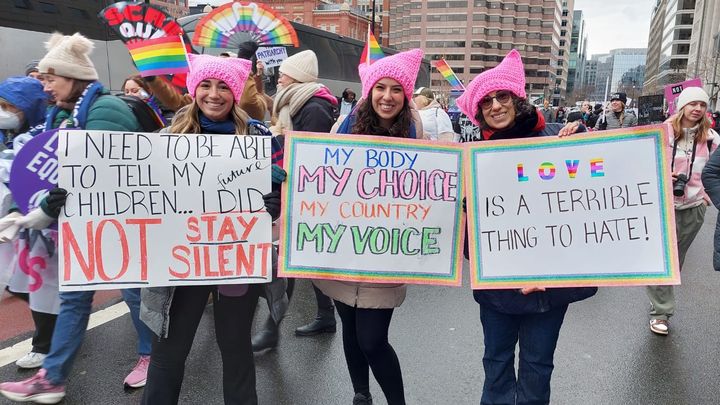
{"type": "Point", "coordinates": [502, 97]}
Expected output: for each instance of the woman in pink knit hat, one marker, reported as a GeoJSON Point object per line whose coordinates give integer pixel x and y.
{"type": "Point", "coordinates": [366, 309]}
{"type": "Point", "coordinates": [496, 102]}
{"type": "Point", "coordinates": [173, 313]}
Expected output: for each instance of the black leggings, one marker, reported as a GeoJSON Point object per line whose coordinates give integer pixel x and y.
{"type": "Point", "coordinates": [233, 319]}
{"type": "Point", "coordinates": [365, 341]}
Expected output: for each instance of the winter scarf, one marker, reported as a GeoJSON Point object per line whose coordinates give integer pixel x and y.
{"type": "Point", "coordinates": [81, 110]}
{"type": "Point", "coordinates": [289, 101]}
{"type": "Point", "coordinates": [216, 127]}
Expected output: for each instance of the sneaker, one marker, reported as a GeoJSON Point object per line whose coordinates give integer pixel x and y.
{"type": "Point", "coordinates": [659, 326]}
{"type": "Point", "coordinates": [138, 375]}
{"type": "Point", "coordinates": [36, 389]}
{"type": "Point", "coordinates": [31, 360]}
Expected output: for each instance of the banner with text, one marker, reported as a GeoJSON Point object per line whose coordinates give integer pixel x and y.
{"type": "Point", "coordinates": [589, 210]}
{"type": "Point", "coordinates": [148, 210]}
{"type": "Point", "coordinates": [372, 209]}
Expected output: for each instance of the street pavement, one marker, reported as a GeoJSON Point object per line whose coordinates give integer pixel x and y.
{"type": "Point", "coordinates": [606, 353]}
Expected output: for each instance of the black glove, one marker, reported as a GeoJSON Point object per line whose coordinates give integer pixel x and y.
{"type": "Point", "coordinates": [272, 204]}
{"type": "Point", "coordinates": [54, 202]}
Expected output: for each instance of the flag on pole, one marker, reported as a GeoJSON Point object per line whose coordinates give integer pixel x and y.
{"type": "Point", "coordinates": [159, 56]}
{"type": "Point", "coordinates": [447, 72]}
{"type": "Point", "coordinates": [372, 51]}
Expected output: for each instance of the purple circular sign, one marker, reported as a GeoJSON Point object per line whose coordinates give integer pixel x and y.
{"type": "Point", "coordinates": [35, 170]}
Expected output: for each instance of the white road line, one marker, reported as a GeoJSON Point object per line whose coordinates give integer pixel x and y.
{"type": "Point", "coordinates": [13, 353]}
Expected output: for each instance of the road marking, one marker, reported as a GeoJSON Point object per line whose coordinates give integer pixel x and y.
{"type": "Point", "coordinates": [13, 353]}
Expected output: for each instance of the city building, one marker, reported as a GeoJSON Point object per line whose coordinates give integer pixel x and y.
{"type": "Point", "coordinates": [704, 54]}
{"type": "Point", "coordinates": [578, 56]}
{"type": "Point", "coordinates": [342, 18]}
{"type": "Point", "coordinates": [474, 35]}
{"type": "Point", "coordinates": [561, 80]}
{"type": "Point", "coordinates": [671, 27]}
{"type": "Point", "coordinates": [382, 17]}
{"type": "Point", "coordinates": [589, 78]}
{"type": "Point", "coordinates": [620, 70]}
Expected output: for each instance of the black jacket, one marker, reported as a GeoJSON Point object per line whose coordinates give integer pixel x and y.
{"type": "Point", "coordinates": [317, 115]}
{"type": "Point", "coordinates": [711, 182]}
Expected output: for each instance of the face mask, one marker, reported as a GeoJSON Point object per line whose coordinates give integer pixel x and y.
{"type": "Point", "coordinates": [9, 120]}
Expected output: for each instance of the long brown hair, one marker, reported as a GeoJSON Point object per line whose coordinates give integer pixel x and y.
{"type": "Point", "coordinates": [367, 121]}
{"type": "Point", "coordinates": [187, 120]}
{"type": "Point", "coordinates": [139, 81]}
{"type": "Point", "coordinates": [76, 90]}
{"type": "Point", "coordinates": [703, 126]}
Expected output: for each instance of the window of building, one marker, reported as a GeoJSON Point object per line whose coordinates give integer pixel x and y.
{"type": "Point", "coordinates": [521, 21]}
{"type": "Point", "coordinates": [447, 17]}
{"type": "Point", "coordinates": [476, 70]}
{"type": "Point", "coordinates": [445, 44]}
{"type": "Point", "coordinates": [49, 8]}
{"type": "Point", "coordinates": [522, 8]}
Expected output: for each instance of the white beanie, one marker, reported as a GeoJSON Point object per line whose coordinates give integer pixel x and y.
{"type": "Point", "coordinates": [68, 57]}
{"type": "Point", "coordinates": [690, 94]}
{"type": "Point", "coordinates": [303, 67]}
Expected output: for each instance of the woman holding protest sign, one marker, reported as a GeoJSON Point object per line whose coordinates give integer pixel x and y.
{"type": "Point", "coordinates": [692, 143]}
{"type": "Point", "coordinates": [216, 85]}
{"type": "Point", "coordinates": [81, 103]}
{"type": "Point", "coordinates": [366, 309]}
{"type": "Point", "coordinates": [496, 102]}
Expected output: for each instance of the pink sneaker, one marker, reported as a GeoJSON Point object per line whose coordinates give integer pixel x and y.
{"type": "Point", "coordinates": [35, 388]}
{"type": "Point", "coordinates": [138, 375]}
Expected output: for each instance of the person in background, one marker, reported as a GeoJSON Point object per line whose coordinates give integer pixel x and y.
{"type": "Point", "coordinates": [618, 116]}
{"type": "Point", "coordinates": [560, 116]}
{"type": "Point", "coordinates": [81, 103]}
{"type": "Point", "coordinates": [691, 143]}
{"type": "Point", "coordinates": [594, 116]}
{"type": "Point", "coordinates": [31, 69]}
{"type": "Point", "coordinates": [346, 102]}
{"type": "Point", "coordinates": [366, 309]}
{"type": "Point", "coordinates": [496, 101]}
{"type": "Point", "coordinates": [174, 313]}
{"type": "Point", "coordinates": [135, 86]}
{"type": "Point", "coordinates": [586, 110]}
{"type": "Point", "coordinates": [436, 122]}
{"type": "Point", "coordinates": [23, 104]}
{"type": "Point", "coordinates": [575, 116]}
{"type": "Point", "coordinates": [547, 112]}
{"type": "Point", "coordinates": [301, 104]}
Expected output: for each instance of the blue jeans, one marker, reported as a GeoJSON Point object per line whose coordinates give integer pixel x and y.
{"type": "Point", "coordinates": [538, 334]}
{"type": "Point", "coordinates": [72, 321]}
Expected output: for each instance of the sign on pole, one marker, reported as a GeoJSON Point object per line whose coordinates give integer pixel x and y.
{"type": "Point", "coordinates": [372, 209]}
{"type": "Point", "coordinates": [273, 56]}
{"type": "Point", "coordinates": [589, 210]}
{"type": "Point", "coordinates": [672, 92]}
{"type": "Point", "coordinates": [148, 210]}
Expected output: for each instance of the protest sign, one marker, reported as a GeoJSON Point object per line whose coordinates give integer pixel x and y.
{"type": "Point", "coordinates": [372, 209]}
{"type": "Point", "coordinates": [34, 171]}
{"type": "Point", "coordinates": [581, 211]}
{"type": "Point", "coordinates": [672, 92]}
{"type": "Point", "coordinates": [163, 209]}
{"type": "Point", "coordinates": [272, 57]}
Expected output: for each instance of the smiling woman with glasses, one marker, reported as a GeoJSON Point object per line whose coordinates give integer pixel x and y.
{"type": "Point", "coordinates": [531, 317]}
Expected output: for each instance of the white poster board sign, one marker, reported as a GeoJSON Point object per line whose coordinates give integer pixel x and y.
{"type": "Point", "coordinates": [272, 57]}
{"type": "Point", "coordinates": [585, 211]}
{"type": "Point", "coordinates": [146, 209]}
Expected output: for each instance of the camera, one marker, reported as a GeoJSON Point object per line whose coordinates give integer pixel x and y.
{"type": "Point", "coordinates": [679, 185]}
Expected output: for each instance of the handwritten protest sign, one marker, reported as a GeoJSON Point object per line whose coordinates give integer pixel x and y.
{"type": "Point", "coordinates": [588, 210]}
{"type": "Point", "coordinates": [272, 56]}
{"type": "Point", "coordinates": [672, 92]}
{"type": "Point", "coordinates": [372, 209]}
{"type": "Point", "coordinates": [163, 209]}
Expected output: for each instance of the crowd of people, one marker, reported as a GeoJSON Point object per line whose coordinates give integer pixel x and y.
{"type": "Point", "coordinates": [225, 96]}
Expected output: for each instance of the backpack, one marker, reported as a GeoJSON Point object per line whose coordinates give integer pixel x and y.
{"type": "Point", "coordinates": [146, 116]}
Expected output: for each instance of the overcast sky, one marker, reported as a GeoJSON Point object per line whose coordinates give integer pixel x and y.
{"type": "Point", "coordinates": [612, 24]}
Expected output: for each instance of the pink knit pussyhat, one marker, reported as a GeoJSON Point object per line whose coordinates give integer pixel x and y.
{"type": "Point", "coordinates": [403, 67]}
{"type": "Point", "coordinates": [233, 71]}
{"type": "Point", "coordinates": [508, 75]}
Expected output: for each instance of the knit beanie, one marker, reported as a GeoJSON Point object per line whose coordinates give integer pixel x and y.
{"type": "Point", "coordinates": [68, 56]}
{"type": "Point", "coordinates": [690, 94]}
{"type": "Point", "coordinates": [233, 71]}
{"type": "Point", "coordinates": [26, 94]}
{"type": "Point", "coordinates": [31, 67]}
{"type": "Point", "coordinates": [403, 67]}
{"type": "Point", "coordinates": [508, 75]}
{"type": "Point", "coordinates": [302, 66]}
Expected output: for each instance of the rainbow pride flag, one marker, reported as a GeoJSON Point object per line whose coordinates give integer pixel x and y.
{"type": "Point", "coordinates": [372, 51]}
{"type": "Point", "coordinates": [159, 56]}
{"type": "Point", "coordinates": [447, 72]}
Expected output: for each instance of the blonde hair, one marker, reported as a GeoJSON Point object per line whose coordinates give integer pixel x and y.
{"type": "Point", "coordinates": [187, 120]}
{"type": "Point", "coordinates": [703, 126]}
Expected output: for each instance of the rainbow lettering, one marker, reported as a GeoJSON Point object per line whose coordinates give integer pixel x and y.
{"type": "Point", "coordinates": [521, 173]}
{"type": "Point", "coordinates": [596, 167]}
{"type": "Point", "coordinates": [572, 166]}
{"type": "Point", "coordinates": [546, 171]}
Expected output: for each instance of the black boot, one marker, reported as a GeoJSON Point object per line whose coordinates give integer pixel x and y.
{"type": "Point", "coordinates": [267, 338]}
{"type": "Point", "coordinates": [362, 399]}
{"type": "Point", "coordinates": [324, 323]}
